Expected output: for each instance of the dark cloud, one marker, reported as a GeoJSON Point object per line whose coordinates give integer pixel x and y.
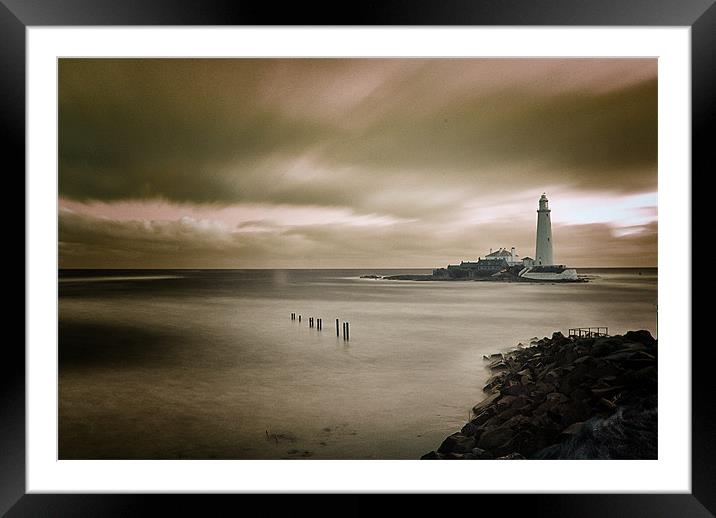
{"type": "Point", "coordinates": [134, 129]}
{"type": "Point", "coordinates": [580, 139]}
{"type": "Point", "coordinates": [394, 162]}
{"type": "Point", "coordinates": [348, 132]}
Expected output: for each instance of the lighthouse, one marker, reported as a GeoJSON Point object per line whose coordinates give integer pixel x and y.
{"type": "Point", "coordinates": [544, 254]}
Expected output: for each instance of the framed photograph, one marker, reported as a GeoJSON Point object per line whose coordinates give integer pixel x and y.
{"type": "Point", "coordinates": [298, 253]}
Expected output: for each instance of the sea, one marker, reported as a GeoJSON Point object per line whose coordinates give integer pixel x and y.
{"type": "Point", "coordinates": [209, 364]}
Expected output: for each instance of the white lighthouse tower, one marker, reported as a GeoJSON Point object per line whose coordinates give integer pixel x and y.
{"type": "Point", "coordinates": [544, 254]}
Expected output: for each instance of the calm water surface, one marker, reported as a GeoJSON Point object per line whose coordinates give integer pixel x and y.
{"type": "Point", "coordinates": [208, 364]}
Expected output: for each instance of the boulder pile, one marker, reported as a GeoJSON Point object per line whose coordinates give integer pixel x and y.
{"type": "Point", "coordinates": [565, 398]}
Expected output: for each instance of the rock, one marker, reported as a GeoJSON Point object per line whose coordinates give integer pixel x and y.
{"type": "Point", "coordinates": [477, 409]}
{"type": "Point", "coordinates": [430, 456]}
{"type": "Point", "coordinates": [642, 336]}
{"type": "Point", "coordinates": [499, 365]}
{"type": "Point", "coordinates": [499, 418]}
{"type": "Point", "coordinates": [565, 413]}
{"type": "Point", "coordinates": [452, 456]}
{"type": "Point", "coordinates": [457, 443]}
{"type": "Point", "coordinates": [469, 429]}
{"type": "Point", "coordinates": [643, 355]}
{"type": "Point", "coordinates": [505, 402]}
{"type": "Point", "coordinates": [513, 390]}
{"type": "Point", "coordinates": [522, 402]}
{"type": "Point", "coordinates": [479, 453]}
{"type": "Point", "coordinates": [483, 416]}
{"type": "Point", "coordinates": [605, 403]}
{"type": "Point", "coordinates": [586, 359]}
{"type": "Point", "coordinates": [517, 421]}
{"type": "Point", "coordinates": [604, 346]}
{"type": "Point", "coordinates": [493, 382]}
{"type": "Point", "coordinates": [511, 456]}
{"type": "Point", "coordinates": [544, 387]}
{"type": "Point", "coordinates": [646, 375]}
{"type": "Point", "coordinates": [571, 430]}
{"type": "Point", "coordinates": [543, 397]}
{"type": "Point", "coordinates": [496, 437]}
{"type": "Point", "coordinates": [602, 392]}
{"type": "Point", "coordinates": [559, 339]}
{"type": "Point", "coordinates": [552, 376]}
{"type": "Point", "coordinates": [556, 397]}
{"type": "Point", "coordinates": [619, 356]}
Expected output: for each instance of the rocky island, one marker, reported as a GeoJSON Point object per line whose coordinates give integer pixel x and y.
{"type": "Point", "coordinates": [565, 398]}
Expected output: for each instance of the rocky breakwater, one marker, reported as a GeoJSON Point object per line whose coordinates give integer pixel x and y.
{"type": "Point", "coordinates": [564, 398]}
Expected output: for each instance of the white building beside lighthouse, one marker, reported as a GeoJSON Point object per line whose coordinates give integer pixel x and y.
{"type": "Point", "coordinates": [544, 254]}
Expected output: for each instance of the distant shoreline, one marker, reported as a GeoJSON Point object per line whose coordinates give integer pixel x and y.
{"type": "Point", "coordinates": [432, 278]}
{"type": "Point", "coordinates": [69, 269]}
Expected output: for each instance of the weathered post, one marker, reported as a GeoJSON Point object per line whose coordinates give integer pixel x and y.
{"type": "Point", "coordinates": [337, 332]}
{"type": "Point", "coordinates": [299, 318]}
{"type": "Point", "coordinates": [348, 331]}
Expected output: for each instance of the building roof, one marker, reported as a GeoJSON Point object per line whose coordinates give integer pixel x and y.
{"type": "Point", "coordinates": [500, 253]}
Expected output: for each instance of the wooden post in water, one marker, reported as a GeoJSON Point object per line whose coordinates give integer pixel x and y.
{"type": "Point", "coordinates": [337, 332]}
{"type": "Point", "coordinates": [348, 331]}
{"type": "Point", "coordinates": [299, 318]}
{"type": "Point", "coordinates": [319, 324]}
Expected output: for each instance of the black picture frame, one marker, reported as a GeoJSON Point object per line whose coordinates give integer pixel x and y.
{"type": "Point", "coordinates": [700, 15]}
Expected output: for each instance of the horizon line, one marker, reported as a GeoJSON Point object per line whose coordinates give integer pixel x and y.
{"type": "Point", "coordinates": [303, 268]}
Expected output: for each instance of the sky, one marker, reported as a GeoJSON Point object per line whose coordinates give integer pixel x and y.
{"type": "Point", "coordinates": [354, 163]}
